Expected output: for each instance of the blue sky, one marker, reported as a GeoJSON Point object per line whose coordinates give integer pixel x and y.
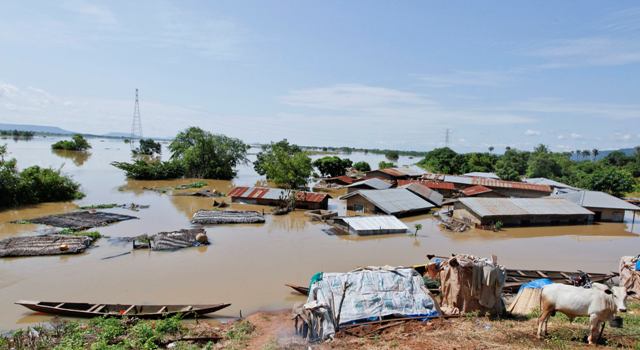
{"type": "Point", "coordinates": [378, 74]}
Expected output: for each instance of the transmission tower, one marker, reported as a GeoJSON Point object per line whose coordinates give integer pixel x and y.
{"type": "Point", "coordinates": [446, 137]}
{"type": "Point", "coordinates": [136, 125]}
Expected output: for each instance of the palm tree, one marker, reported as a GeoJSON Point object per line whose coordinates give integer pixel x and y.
{"type": "Point", "coordinates": [594, 153]}
{"type": "Point", "coordinates": [586, 153]}
{"type": "Point", "coordinates": [418, 228]}
{"type": "Point", "coordinates": [578, 154]}
{"type": "Point", "coordinates": [491, 149]}
{"type": "Point", "coordinates": [508, 148]}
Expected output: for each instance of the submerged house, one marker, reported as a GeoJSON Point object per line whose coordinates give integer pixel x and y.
{"type": "Point", "coordinates": [483, 174]}
{"type": "Point", "coordinates": [370, 225]}
{"type": "Point", "coordinates": [392, 201]}
{"type": "Point", "coordinates": [480, 191]}
{"type": "Point", "coordinates": [274, 196]}
{"type": "Point", "coordinates": [556, 186]}
{"type": "Point", "coordinates": [520, 211]}
{"type": "Point", "coordinates": [395, 174]}
{"type": "Point", "coordinates": [604, 206]}
{"type": "Point", "coordinates": [501, 187]}
{"type": "Point", "coordinates": [425, 193]}
{"type": "Point", "coordinates": [368, 184]}
{"type": "Point", "coordinates": [447, 189]}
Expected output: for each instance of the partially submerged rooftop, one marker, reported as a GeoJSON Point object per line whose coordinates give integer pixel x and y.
{"type": "Point", "coordinates": [81, 220]}
{"type": "Point", "coordinates": [372, 183]}
{"type": "Point", "coordinates": [372, 225]}
{"type": "Point", "coordinates": [393, 201]}
{"type": "Point", "coordinates": [597, 199]}
{"type": "Point", "coordinates": [488, 207]}
{"type": "Point", "coordinates": [425, 193]}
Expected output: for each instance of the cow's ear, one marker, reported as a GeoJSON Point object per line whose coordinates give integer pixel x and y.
{"type": "Point", "coordinates": [630, 293]}
{"type": "Point", "coordinates": [608, 291]}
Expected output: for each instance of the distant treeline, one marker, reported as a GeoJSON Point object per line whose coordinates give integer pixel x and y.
{"type": "Point", "coordinates": [348, 150]}
{"type": "Point", "coordinates": [17, 133]}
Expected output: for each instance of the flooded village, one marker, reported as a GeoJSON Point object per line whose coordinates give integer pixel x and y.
{"type": "Point", "coordinates": [251, 250]}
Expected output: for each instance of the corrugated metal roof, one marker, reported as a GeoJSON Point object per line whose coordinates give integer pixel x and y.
{"type": "Point", "coordinates": [274, 193]}
{"type": "Point", "coordinates": [425, 192]}
{"type": "Point", "coordinates": [483, 174]}
{"type": "Point", "coordinates": [523, 206]}
{"type": "Point", "coordinates": [475, 190]}
{"type": "Point", "coordinates": [371, 223]}
{"type": "Point", "coordinates": [468, 180]}
{"type": "Point", "coordinates": [596, 199]}
{"type": "Point", "coordinates": [343, 178]}
{"type": "Point", "coordinates": [403, 171]}
{"type": "Point", "coordinates": [548, 182]}
{"type": "Point", "coordinates": [374, 183]}
{"type": "Point", "coordinates": [393, 200]}
{"type": "Point", "coordinates": [436, 185]}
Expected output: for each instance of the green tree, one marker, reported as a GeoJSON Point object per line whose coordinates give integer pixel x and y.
{"type": "Point", "coordinates": [77, 143]}
{"type": "Point", "coordinates": [385, 165]}
{"type": "Point", "coordinates": [611, 180]}
{"type": "Point", "coordinates": [332, 165]}
{"type": "Point", "coordinates": [362, 166]}
{"type": "Point", "coordinates": [483, 162]}
{"type": "Point", "coordinates": [148, 147]}
{"type": "Point", "coordinates": [392, 155]}
{"type": "Point", "coordinates": [207, 155]}
{"type": "Point", "coordinates": [617, 158]}
{"type": "Point", "coordinates": [543, 163]}
{"type": "Point", "coordinates": [284, 164]}
{"type": "Point", "coordinates": [443, 160]}
{"type": "Point", "coordinates": [151, 169]}
{"type": "Point", "coordinates": [512, 164]}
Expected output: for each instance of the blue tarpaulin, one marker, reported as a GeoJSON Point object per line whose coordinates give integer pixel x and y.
{"type": "Point", "coordinates": [536, 284]}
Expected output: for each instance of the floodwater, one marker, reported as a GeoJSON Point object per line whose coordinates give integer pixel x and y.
{"type": "Point", "coordinates": [246, 265]}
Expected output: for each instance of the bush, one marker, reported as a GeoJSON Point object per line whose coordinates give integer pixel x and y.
{"type": "Point", "coordinates": [151, 170]}
{"type": "Point", "coordinates": [77, 143]}
{"type": "Point", "coordinates": [148, 147]}
{"type": "Point", "coordinates": [332, 165]}
{"type": "Point", "coordinates": [385, 165]}
{"type": "Point", "coordinates": [362, 166]}
{"type": "Point", "coordinates": [285, 164]}
{"type": "Point", "coordinates": [34, 185]}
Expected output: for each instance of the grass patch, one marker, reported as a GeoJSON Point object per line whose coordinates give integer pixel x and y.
{"type": "Point", "coordinates": [239, 334]}
{"type": "Point", "coordinates": [100, 206]}
{"type": "Point", "coordinates": [94, 235]}
{"type": "Point", "coordinates": [197, 184]}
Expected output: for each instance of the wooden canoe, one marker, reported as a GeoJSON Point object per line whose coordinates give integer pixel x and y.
{"type": "Point", "coordinates": [72, 309]}
{"type": "Point", "coordinates": [300, 289]}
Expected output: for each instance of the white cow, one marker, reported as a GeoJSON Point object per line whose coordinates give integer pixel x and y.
{"type": "Point", "coordinates": [599, 302]}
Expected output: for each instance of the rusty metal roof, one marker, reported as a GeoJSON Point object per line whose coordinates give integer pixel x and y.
{"type": "Point", "coordinates": [484, 207]}
{"type": "Point", "coordinates": [435, 185]}
{"type": "Point", "coordinates": [346, 179]}
{"type": "Point", "coordinates": [274, 193]}
{"type": "Point", "coordinates": [402, 171]}
{"type": "Point", "coordinates": [475, 190]}
{"type": "Point", "coordinates": [491, 183]}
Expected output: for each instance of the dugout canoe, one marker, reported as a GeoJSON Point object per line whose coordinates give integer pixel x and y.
{"type": "Point", "coordinates": [147, 311]}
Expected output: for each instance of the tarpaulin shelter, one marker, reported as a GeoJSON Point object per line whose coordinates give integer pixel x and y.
{"type": "Point", "coordinates": [365, 294]}
{"type": "Point", "coordinates": [471, 284]}
{"type": "Point", "coordinates": [630, 273]}
{"type": "Point", "coordinates": [528, 298]}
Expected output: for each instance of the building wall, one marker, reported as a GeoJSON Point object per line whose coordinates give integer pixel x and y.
{"type": "Point", "coordinates": [605, 214]}
{"type": "Point", "coordinates": [512, 192]}
{"type": "Point", "coordinates": [358, 203]}
{"type": "Point", "coordinates": [461, 212]}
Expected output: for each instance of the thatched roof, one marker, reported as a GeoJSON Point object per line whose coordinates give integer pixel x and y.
{"type": "Point", "coordinates": [43, 245]}
{"type": "Point", "coordinates": [81, 220]}
{"type": "Point", "coordinates": [177, 239]}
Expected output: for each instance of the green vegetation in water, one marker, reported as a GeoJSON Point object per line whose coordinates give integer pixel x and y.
{"type": "Point", "coordinates": [77, 143]}
{"type": "Point", "coordinates": [613, 174]}
{"type": "Point", "coordinates": [287, 165]}
{"type": "Point", "coordinates": [197, 184]}
{"type": "Point", "coordinates": [349, 150]}
{"type": "Point", "coordinates": [384, 165]}
{"type": "Point", "coordinates": [194, 153]}
{"type": "Point", "coordinates": [151, 170]}
{"type": "Point", "coordinates": [362, 166]}
{"type": "Point", "coordinates": [94, 235]}
{"type": "Point", "coordinates": [148, 147]}
{"type": "Point", "coordinates": [332, 165]}
{"type": "Point", "coordinates": [33, 185]}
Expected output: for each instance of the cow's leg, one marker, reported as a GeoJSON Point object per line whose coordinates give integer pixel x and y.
{"type": "Point", "coordinates": [542, 321]}
{"type": "Point", "coordinates": [593, 331]}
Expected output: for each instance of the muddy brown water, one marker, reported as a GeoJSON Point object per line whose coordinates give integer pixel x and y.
{"type": "Point", "coordinates": [245, 265]}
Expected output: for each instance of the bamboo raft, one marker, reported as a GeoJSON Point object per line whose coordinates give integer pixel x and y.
{"type": "Point", "coordinates": [73, 309]}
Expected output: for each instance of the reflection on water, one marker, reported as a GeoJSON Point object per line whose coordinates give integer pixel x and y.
{"type": "Point", "coordinates": [247, 264]}
{"type": "Point", "coordinates": [78, 157]}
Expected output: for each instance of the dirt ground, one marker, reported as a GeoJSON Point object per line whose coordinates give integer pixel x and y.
{"type": "Point", "coordinates": [274, 330]}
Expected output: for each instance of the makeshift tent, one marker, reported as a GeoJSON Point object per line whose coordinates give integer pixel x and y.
{"type": "Point", "coordinates": [528, 298]}
{"type": "Point", "coordinates": [471, 284]}
{"type": "Point", "coordinates": [364, 294]}
{"type": "Point", "coordinates": [630, 273]}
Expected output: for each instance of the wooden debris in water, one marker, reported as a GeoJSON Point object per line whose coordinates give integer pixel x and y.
{"type": "Point", "coordinates": [201, 193]}
{"type": "Point", "coordinates": [81, 220]}
{"type": "Point", "coordinates": [227, 217]}
{"type": "Point", "coordinates": [44, 245]}
{"type": "Point", "coordinates": [321, 214]}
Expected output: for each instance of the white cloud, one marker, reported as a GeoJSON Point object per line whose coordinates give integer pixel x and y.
{"type": "Point", "coordinates": [623, 21]}
{"type": "Point", "coordinates": [588, 51]}
{"type": "Point", "coordinates": [561, 137]}
{"type": "Point", "coordinates": [469, 78]}
{"type": "Point", "coordinates": [91, 11]}
{"type": "Point", "coordinates": [575, 136]}
{"type": "Point", "coordinates": [558, 106]}
{"type": "Point", "coordinates": [530, 132]}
